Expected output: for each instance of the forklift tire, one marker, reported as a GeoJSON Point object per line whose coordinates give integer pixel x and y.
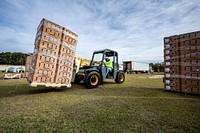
{"type": "Point", "coordinates": [120, 78]}
{"type": "Point", "coordinates": [92, 80]}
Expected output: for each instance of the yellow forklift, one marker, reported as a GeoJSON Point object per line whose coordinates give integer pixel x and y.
{"type": "Point", "coordinates": [94, 74]}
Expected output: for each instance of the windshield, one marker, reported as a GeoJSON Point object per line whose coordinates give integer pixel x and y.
{"type": "Point", "coordinates": [97, 59]}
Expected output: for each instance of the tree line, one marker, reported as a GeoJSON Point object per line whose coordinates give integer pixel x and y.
{"type": "Point", "coordinates": [15, 58]}
{"type": "Point", "coordinates": [157, 67]}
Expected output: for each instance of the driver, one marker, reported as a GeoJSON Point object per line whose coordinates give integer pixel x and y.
{"type": "Point", "coordinates": [109, 65]}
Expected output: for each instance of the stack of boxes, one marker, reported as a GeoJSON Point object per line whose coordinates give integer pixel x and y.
{"type": "Point", "coordinates": [53, 57]}
{"type": "Point", "coordinates": [27, 64]}
{"type": "Point", "coordinates": [182, 63]}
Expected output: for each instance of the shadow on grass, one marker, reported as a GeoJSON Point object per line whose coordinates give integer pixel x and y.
{"type": "Point", "coordinates": [43, 90]}
{"type": "Point", "coordinates": [24, 89]}
{"type": "Point", "coordinates": [81, 90]}
{"type": "Point", "coordinates": [182, 93]}
{"type": "Point", "coordinates": [109, 82]}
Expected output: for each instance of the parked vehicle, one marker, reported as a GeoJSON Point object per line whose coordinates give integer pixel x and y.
{"type": "Point", "coordinates": [21, 69]}
{"type": "Point", "coordinates": [2, 70]}
{"type": "Point", "coordinates": [11, 70]}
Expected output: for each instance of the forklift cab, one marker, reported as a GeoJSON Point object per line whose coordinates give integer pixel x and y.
{"type": "Point", "coordinates": [98, 61]}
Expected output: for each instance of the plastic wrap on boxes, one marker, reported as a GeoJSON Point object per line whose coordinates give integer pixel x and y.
{"type": "Point", "coordinates": [167, 51]}
{"type": "Point", "coordinates": [167, 81]}
{"type": "Point", "coordinates": [167, 69]}
{"type": "Point", "coordinates": [167, 87]}
{"type": "Point", "coordinates": [167, 46]}
{"type": "Point", "coordinates": [167, 76]}
{"type": "Point", "coordinates": [167, 57]}
{"type": "Point", "coordinates": [167, 63]}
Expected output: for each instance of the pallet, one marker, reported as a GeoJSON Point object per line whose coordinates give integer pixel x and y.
{"type": "Point", "coordinates": [50, 85]}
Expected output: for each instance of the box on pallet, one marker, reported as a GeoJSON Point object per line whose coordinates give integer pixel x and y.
{"type": "Point", "coordinates": [52, 60]}
{"type": "Point", "coordinates": [190, 89]}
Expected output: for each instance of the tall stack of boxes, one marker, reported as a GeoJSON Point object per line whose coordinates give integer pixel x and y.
{"type": "Point", "coordinates": [182, 63]}
{"type": "Point", "coordinates": [53, 57]}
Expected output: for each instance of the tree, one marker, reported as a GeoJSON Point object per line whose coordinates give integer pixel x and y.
{"type": "Point", "coordinates": [15, 58]}
{"type": "Point", "coordinates": [157, 67]}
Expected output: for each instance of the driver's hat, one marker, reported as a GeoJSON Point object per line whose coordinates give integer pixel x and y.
{"type": "Point", "coordinates": [107, 58]}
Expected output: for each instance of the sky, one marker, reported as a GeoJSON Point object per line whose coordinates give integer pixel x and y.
{"type": "Point", "coordinates": [133, 28]}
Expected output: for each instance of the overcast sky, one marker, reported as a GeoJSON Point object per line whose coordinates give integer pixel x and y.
{"type": "Point", "coordinates": [134, 28]}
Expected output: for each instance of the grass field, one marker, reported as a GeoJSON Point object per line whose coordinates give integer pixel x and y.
{"type": "Point", "coordinates": [138, 105]}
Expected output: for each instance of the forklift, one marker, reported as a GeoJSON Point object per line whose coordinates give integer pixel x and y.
{"type": "Point", "coordinates": [94, 74]}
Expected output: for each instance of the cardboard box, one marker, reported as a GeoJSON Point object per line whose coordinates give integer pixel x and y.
{"type": "Point", "coordinates": [50, 31]}
{"type": "Point", "coordinates": [198, 34]}
{"type": "Point", "coordinates": [175, 88]}
{"type": "Point", "coordinates": [186, 89]}
{"type": "Point", "coordinates": [195, 89]}
{"type": "Point", "coordinates": [47, 47]}
{"type": "Point", "coordinates": [50, 25]}
{"type": "Point", "coordinates": [190, 89]}
{"type": "Point", "coordinates": [46, 37]}
{"type": "Point", "coordinates": [192, 35]}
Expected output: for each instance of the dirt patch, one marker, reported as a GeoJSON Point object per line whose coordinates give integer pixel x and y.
{"type": "Point", "coordinates": [156, 76]}
{"type": "Point", "coordinates": [152, 77]}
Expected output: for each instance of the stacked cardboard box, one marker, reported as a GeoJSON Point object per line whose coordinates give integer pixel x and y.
{"type": "Point", "coordinates": [182, 63]}
{"type": "Point", "coordinates": [27, 65]}
{"type": "Point", "coordinates": [53, 57]}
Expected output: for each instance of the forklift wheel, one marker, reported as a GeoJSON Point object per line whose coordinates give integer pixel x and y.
{"type": "Point", "coordinates": [92, 80]}
{"type": "Point", "coordinates": [120, 78]}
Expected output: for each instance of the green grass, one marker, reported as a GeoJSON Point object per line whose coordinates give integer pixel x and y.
{"type": "Point", "coordinates": [138, 105]}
